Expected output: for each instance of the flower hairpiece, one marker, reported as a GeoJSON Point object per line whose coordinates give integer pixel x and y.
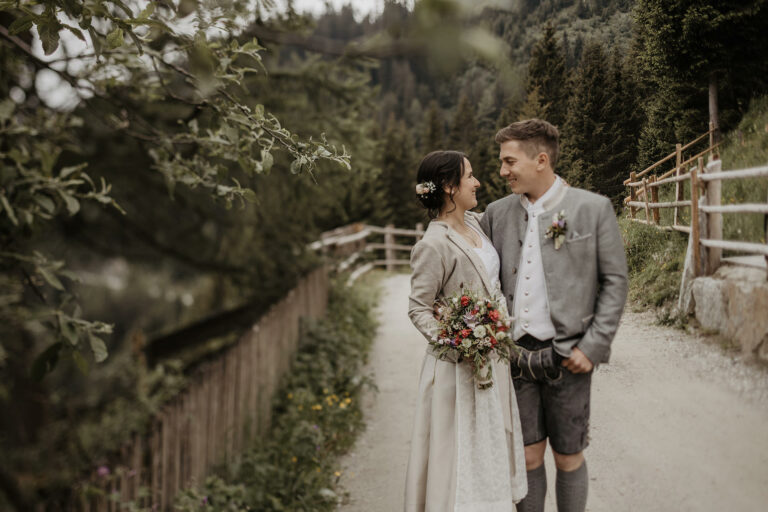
{"type": "Point", "coordinates": [425, 188]}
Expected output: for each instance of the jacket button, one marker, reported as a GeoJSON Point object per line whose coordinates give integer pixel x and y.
{"type": "Point", "coordinates": [526, 216]}
{"type": "Point", "coordinates": [511, 296]}
{"type": "Point", "coordinates": [520, 242]}
{"type": "Point", "coordinates": [514, 270]}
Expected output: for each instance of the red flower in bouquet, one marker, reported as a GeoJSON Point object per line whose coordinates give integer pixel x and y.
{"type": "Point", "coordinates": [464, 301]}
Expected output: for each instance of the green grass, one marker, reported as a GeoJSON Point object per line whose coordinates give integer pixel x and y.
{"type": "Point", "coordinates": [747, 146]}
{"type": "Point", "coordinates": [655, 259]}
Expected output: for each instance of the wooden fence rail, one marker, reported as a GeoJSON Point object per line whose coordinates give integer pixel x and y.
{"type": "Point", "coordinates": [227, 404]}
{"type": "Point", "coordinates": [351, 243]}
{"type": "Point", "coordinates": [706, 226]}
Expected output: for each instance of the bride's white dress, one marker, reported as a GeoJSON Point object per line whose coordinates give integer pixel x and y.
{"type": "Point", "coordinates": [466, 452]}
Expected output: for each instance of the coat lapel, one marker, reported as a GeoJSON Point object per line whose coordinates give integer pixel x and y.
{"type": "Point", "coordinates": [462, 244]}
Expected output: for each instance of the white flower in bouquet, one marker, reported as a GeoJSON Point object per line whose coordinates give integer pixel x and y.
{"type": "Point", "coordinates": [479, 331]}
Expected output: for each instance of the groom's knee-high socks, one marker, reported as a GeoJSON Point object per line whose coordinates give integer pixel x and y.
{"type": "Point", "coordinates": [571, 488]}
{"type": "Point", "coordinates": [537, 491]}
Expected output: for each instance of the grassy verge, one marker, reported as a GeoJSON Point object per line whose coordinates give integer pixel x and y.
{"type": "Point", "coordinates": [316, 418]}
{"type": "Point", "coordinates": [655, 260]}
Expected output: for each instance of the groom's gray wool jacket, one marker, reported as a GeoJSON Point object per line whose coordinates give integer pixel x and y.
{"type": "Point", "coordinates": [586, 278]}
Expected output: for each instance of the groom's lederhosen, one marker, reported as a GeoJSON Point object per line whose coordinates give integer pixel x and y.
{"type": "Point", "coordinates": [553, 402]}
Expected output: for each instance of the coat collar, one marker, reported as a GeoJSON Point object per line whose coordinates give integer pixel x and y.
{"type": "Point", "coordinates": [455, 237]}
{"type": "Point", "coordinates": [552, 197]}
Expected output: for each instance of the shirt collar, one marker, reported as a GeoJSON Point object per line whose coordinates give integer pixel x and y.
{"type": "Point", "coordinates": [552, 191]}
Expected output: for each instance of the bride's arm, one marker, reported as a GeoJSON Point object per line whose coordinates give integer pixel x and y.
{"type": "Point", "coordinates": [426, 283]}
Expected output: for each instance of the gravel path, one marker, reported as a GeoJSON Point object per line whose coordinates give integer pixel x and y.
{"type": "Point", "coordinates": [677, 425]}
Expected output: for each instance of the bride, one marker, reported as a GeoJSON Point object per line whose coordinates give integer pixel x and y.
{"type": "Point", "coordinates": [467, 447]}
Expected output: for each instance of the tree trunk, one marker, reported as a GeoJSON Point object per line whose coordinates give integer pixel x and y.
{"type": "Point", "coordinates": [713, 108]}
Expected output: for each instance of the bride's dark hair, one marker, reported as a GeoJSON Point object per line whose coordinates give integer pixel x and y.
{"type": "Point", "coordinates": [440, 168]}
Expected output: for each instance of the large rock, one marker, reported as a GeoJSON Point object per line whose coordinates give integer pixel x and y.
{"type": "Point", "coordinates": [735, 302]}
{"type": "Point", "coordinates": [709, 303]}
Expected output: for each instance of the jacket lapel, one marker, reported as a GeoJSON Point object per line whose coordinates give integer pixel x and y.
{"type": "Point", "coordinates": [462, 244]}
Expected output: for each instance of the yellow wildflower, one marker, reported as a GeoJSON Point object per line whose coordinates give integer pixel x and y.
{"type": "Point", "coordinates": [342, 405]}
{"type": "Point", "coordinates": [338, 474]}
{"type": "Point", "coordinates": [294, 459]}
{"type": "Point", "coordinates": [317, 407]}
{"type": "Point", "coordinates": [290, 396]}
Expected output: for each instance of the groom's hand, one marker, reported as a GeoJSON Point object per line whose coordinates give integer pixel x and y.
{"type": "Point", "coordinates": [578, 362]}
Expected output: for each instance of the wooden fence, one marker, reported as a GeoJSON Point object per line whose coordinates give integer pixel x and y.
{"type": "Point", "coordinates": [227, 403]}
{"type": "Point", "coordinates": [351, 248]}
{"type": "Point", "coordinates": [704, 200]}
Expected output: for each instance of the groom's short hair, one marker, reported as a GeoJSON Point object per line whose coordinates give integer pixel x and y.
{"type": "Point", "coordinates": [538, 135]}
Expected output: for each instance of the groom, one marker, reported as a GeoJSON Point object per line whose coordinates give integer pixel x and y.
{"type": "Point", "coordinates": [564, 275]}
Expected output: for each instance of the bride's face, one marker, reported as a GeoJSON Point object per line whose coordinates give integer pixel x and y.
{"type": "Point", "coordinates": [465, 194]}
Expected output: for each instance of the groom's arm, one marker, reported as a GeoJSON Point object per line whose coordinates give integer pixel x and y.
{"type": "Point", "coordinates": [613, 287]}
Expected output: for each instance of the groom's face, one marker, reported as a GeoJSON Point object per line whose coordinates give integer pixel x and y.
{"type": "Point", "coordinates": [521, 170]}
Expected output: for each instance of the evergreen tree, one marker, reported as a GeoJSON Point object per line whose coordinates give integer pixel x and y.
{"type": "Point", "coordinates": [434, 133]}
{"type": "Point", "coordinates": [464, 127]}
{"type": "Point", "coordinates": [398, 175]}
{"type": "Point", "coordinates": [600, 130]}
{"type": "Point", "coordinates": [547, 76]}
{"type": "Point", "coordinates": [698, 48]}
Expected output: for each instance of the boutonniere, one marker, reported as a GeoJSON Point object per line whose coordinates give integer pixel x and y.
{"type": "Point", "coordinates": [557, 230]}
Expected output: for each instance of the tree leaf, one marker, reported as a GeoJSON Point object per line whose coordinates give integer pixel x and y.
{"type": "Point", "coordinates": [21, 24]}
{"type": "Point", "coordinates": [45, 202]}
{"type": "Point", "coordinates": [8, 209]}
{"type": "Point", "coordinates": [67, 331]}
{"type": "Point", "coordinates": [115, 39]}
{"type": "Point", "coordinates": [7, 106]}
{"type": "Point", "coordinates": [46, 361]}
{"type": "Point", "coordinates": [73, 205]}
{"type": "Point", "coordinates": [98, 347]}
{"type": "Point", "coordinates": [80, 362]}
{"type": "Point", "coordinates": [249, 195]}
{"type": "Point", "coordinates": [51, 278]}
{"type": "Point", "coordinates": [49, 35]}
{"type": "Point", "coordinates": [266, 160]}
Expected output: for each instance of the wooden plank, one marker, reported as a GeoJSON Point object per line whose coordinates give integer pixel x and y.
{"type": "Point", "coordinates": [394, 247]}
{"type": "Point", "coordinates": [736, 208]}
{"type": "Point", "coordinates": [652, 206]}
{"type": "Point", "coordinates": [714, 218]}
{"type": "Point", "coordinates": [389, 241]}
{"type": "Point", "coordinates": [748, 247]}
{"type": "Point", "coordinates": [645, 197]}
{"type": "Point", "coordinates": [695, 219]}
{"type": "Point", "coordinates": [395, 231]}
{"type": "Point", "coordinates": [359, 272]}
{"type": "Point", "coordinates": [678, 186]}
{"type": "Point", "coordinates": [632, 195]}
{"type": "Point", "coordinates": [390, 263]}
{"type": "Point", "coordinates": [751, 172]}
{"type": "Point", "coordinates": [655, 200]}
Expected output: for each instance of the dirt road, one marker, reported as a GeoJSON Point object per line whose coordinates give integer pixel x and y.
{"type": "Point", "coordinates": [677, 425]}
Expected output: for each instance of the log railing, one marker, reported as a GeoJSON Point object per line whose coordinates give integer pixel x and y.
{"type": "Point", "coordinates": [704, 201]}
{"type": "Point", "coordinates": [350, 247]}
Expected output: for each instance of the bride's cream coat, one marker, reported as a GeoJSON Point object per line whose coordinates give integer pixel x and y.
{"type": "Point", "coordinates": [467, 450]}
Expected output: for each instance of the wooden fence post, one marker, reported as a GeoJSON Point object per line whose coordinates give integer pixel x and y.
{"type": "Point", "coordinates": [714, 220]}
{"type": "Point", "coordinates": [695, 219]}
{"type": "Point", "coordinates": [389, 251]}
{"type": "Point", "coordinates": [655, 199]}
{"type": "Point", "coordinates": [632, 193]}
{"type": "Point", "coordinates": [645, 198]}
{"type": "Point", "coordinates": [678, 185]}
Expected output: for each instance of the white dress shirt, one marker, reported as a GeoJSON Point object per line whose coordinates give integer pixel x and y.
{"type": "Point", "coordinates": [531, 307]}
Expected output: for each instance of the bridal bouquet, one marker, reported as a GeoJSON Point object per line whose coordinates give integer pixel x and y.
{"type": "Point", "coordinates": [471, 329]}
